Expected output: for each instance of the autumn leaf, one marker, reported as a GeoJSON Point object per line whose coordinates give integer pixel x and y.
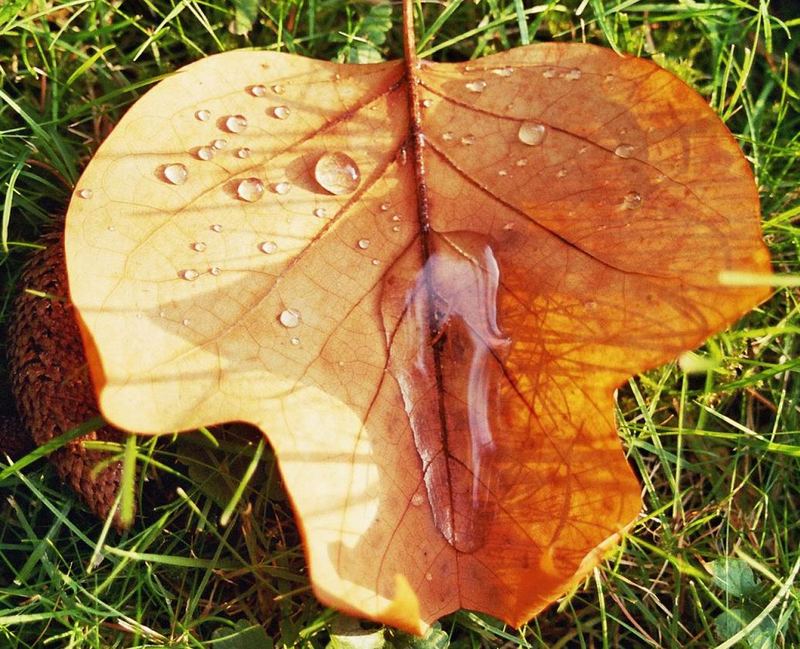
{"type": "Point", "coordinates": [423, 283]}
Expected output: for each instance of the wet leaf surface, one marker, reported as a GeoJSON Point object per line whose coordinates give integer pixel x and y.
{"type": "Point", "coordinates": [426, 312]}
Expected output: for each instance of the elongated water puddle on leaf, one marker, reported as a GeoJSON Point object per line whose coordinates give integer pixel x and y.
{"type": "Point", "coordinates": [446, 353]}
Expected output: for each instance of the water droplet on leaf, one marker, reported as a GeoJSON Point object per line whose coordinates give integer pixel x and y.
{"type": "Point", "coordinates": [236, 123]}
{"type": "Point", "coordinates": [250, 189]}
{"type": "Point", "coordinates": [320, 212]}
{"type": "Point", "coordinates": [417, 500]}
{"type": "Point", "coordinates": [624, 151]}
{"type": "Point", "coordinates": [258, 91]}
{"type": "Point", "coordinates": [199, 246]}
{"type": "Point", "coordinates": [203, 115]}
{"type": "Point", "coordinates": [447, 136]}
{"type": "Point", "coordinates": [244, 152]}
{"type": "Point", "coordinates": [427, 103]}
{"type": "Point", "coordinates": [289, 318]}
{"type": "Point", "coordinates": [86, 193]}
{"type": "Point", "coordinates": [219, 144]}
{"type": "Point", "coordinates": [216, 227]}
{"type": "Point", "coordinates": [573, 75]}
{"type": "Point", "coordinates": [468, 139]}
{"type": "Point", "coordinates": [278, 89]}
{"type": "Point", "coordinates": [632, 201]}
{"type": "Point", "coordinates": [385, 207]}
{"type": "Point", "coordinates": [338, 173]}
{"type": "Point", "coordinates": [282, 188]}
{"type": "Point", "coordinates": [176, 173]}
{"type": "Point", "coordinates": [363, 244]}
{"type": "Point", "coordinates": [503, 72]}
{"type": "Point", "coordinates": [205, 153]}
{"type": "Point", "coordinates": [475, 86]}
{"type": "Point", "coordinates": [268, 247]}
{"type": "Point", "coordinates": [189, 274]}
{"type": "Point", "coordinates": [294, 340]}
{"type": "Point", "coordinates": [549, 73]}
{"type": "Point", "coordinates": [281, 112]}
{"type": "Point", "coordinates": [531, 133]}
{"type": "Point", "coordinates": [215, 270]}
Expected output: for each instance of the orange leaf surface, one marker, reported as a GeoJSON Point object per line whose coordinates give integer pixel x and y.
{"type": "Point", "coordinates": [423, 283]}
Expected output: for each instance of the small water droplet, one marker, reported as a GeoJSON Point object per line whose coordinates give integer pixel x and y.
{"type": "Point", "coordinates": [294, 340]}
{"type": "Point", "coordinates": [111, 228]}
{"type": "Point", "coordinates": [320, 212]}
{"type": "Point", "coordinates": [236, 123]}
{"type": "Point", "coordinates": [281, 188]}
{"type": "Point", "coordinates": [561, 173]}
{"type": "Point", "coordinates": [176, 173]}
{"type": "Point", "coordinates": [508, 226]}
{"type": "Point", "coordinates": [417, 500]}
{"type": "Point", "coordinates": [219, 144]}
{"type": "Point", "coordinates": [258, 91]}
{"type": "Point", "coordinates": [268, 247]}
{"type": "Point", "coordinates": [475, 86]}
{"type": "Point", "coordinates": [447, 136]}
{"type": "Point", "coordinates": [162, 314]}
{"type": "Point", "coordinates": [531, 133]}
{"type": "Point", "coordinates": [395, 228]}
{"type": "Point", "coordinates": [503, 72]}
{"type": "Point", "coordinates": [244, 152]}
{"type": "Point", "coordinates": [632, 201]}
{"type": "Point", "coordinates": [573, 75]}
{"type": "Point", "coordinates": [289, 318]}
{"type": "Point", "coordinates": [395, 217]}
{"type": "Point", "coordinates": [186, 322]}
{"type": "Point", "coordinates": [363, 244]}
{"type": "Point", "coordinates": [216, 227]}
{"type": "Point", "coordinates": [278, 89]}
{"type": "Point", "coordinates": [189, 274]}
{"type": "Point", "coordinates": [204, 153]}
{"type": "Point", "coordinates": [281, 112]}
{"type": "Point", "coordinates": [385, 207]}
{"type": "Point", "coordinates": [468, 139]}
{"type": "Point", "coordinates": [338, 173]}
{"type": "Point", "coordinates": [376, 262]}
{"type": "Point", "coordinates": [203, 115]}
{"type": "Point", "coordinates": [428, 576]}
{"type": "Point", "coordinates": [199, 246]}
{"type": "Point", "coordinates": [583, 149]}
{"type": "Point", "coordinates": [522, 162]}
{"type": "Point", "coordinates": [215, 270]}
{"type": "Point", "coordinates": [624, 151]}
{"type": "Point", "coordinates": [427, 103]}
{"type": "Point", "coordinates": [502, 172]}
{"type": "Point", "coordinates": [86, 193]}
{"type": "Point", "coordinates": [549, 73]}
{"type": "Point", "coordinates": [608, 77]}
{"type": "Point", "coordinates": [591, 305]}
{"type": "Point", "coordinates": [250, 189]}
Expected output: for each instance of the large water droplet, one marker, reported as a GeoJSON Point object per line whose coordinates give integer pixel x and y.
{"type": "Point", "coordinates": [199, 246]}
{"type": "Point", "coordinates": [203, 115]}
{"type": "Point", "coordinates": [632, 201]}
{"type": "Point", "coordinates": [85, 193]}
{"type": "Point", "coordinates": [281, 112]}
{"type": "Point", "coordinates": [258, 91]}
{"type": "Point", "coordinates": [176, 173]}
{"type": "Point", "coordinates": [573, 75]}
{"type": "Point", "coordinates": [531, 133]}
{"type": "Point", "coordinates": [268, 247]}
{"type": "Point", "coordinates": [281, 188]}
{"type": "Point", "coordinates": [289, 318]}
{"type": "Point", "coordinates": [236, 123]}
{"type": "Point", "coordinates": [205, 153]}
{"type": "Point", "coordinates": [189, 274]}
{"type": "Point", "coordinates": [250, 189]}
{"type": "Point", "coordinates": [624, 151]}
{"type": "Point", "coordinates": [475, 86]}
{"type": "Point", "coordinates": [338, 173]}
{"type": "Point", "coordinates": [363, 244]}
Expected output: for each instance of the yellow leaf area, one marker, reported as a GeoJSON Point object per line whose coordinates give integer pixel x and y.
{"type": "Point", "coordinates": [427, 323]}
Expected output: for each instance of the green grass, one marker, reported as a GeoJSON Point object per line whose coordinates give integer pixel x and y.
{"type": "Point", "coordinates": [717, 552]}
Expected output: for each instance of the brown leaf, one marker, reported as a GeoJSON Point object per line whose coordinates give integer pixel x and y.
{"type": "Point", "coordinates": [430, 343]}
